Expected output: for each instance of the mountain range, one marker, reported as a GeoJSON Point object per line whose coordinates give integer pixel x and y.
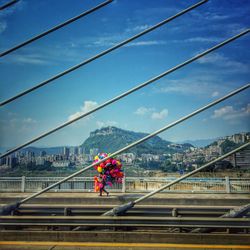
{"type": "Point", "coordinates": [200, 143]}
{"type": "Point", "coordinates": [110, 139]}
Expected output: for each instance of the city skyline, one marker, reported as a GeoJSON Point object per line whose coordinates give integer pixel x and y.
{"type": "Point", "coordinates": [174, 157]}
{"type": "Point", "coordinates": [73, 148]}
{"type": "Point", "coordinates": [146, 110]}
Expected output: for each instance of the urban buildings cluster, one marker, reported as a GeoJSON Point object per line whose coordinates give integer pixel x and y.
{"type": "Point", "coordinates": [185, 158]}
{"type": "Point", "coordinates": [193, 157]}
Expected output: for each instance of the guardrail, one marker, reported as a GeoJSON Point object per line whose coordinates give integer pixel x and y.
{"type": "Point", "coordinates": [130, 184]}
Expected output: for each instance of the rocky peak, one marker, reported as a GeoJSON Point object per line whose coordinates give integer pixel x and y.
{"type": "Point", "coordinates": [104, 131]}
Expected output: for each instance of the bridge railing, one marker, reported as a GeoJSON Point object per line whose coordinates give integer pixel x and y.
{"type": "Point", "coordinates": [130, 184]}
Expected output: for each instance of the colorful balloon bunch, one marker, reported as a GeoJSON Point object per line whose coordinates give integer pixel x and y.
{"type": "Point", "coordinates": [109, 170]}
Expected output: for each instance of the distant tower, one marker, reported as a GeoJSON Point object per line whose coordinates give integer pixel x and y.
{"type": "Point", "coordinates": [11, 161]}
{"type": "Point", "coordinates": [66, 153]}
{"type": "Point", "coordinates": [75, 150]}
{"type": "Point", "coordinates": [80, 150]}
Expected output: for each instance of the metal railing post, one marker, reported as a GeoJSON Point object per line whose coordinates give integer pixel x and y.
{"type": "Point", "coordinates": [227, 182]}
{"type": "Point", "coordinates": [7, 208]}
{"type": "Point", "coordinates": [23, 184]}
{"type": "Point", "coordinates": [124, 184]}
{"type": "Point", "coordinates": [122, 209]}
{"type": "Point", "coordinates": [235, 160]}
{"type": "Point", "coordinates": [126, 93]}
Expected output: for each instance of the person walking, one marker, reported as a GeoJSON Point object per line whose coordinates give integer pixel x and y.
{"type": "Point", "coordinates": [103, 184]}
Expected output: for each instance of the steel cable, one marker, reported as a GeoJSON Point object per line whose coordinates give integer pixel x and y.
{"type": "Point", "coordinates": [59, 26]}
{"type": "Point", "coordinates": [126, 93]}
{"type": "Point", "coordinates": [100, 54]}
{"type": "Point", "coordinates": [140, 141]}
{"type": "Point", "coordinates": [8, 4]}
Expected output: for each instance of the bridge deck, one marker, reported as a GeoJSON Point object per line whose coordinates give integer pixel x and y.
{"type": "Point", "coordinates": [119, 198]}
{"type": "Point", "coordinates": [31, 236]}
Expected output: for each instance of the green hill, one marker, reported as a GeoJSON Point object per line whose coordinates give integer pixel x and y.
{"type": "Point", "coordinates": [110, 139]}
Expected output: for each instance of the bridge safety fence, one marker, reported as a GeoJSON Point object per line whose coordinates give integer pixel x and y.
{"type": "Point", "coordinates": [130, 184]}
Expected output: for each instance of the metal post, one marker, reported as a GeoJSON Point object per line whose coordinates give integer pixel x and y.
{"type": "Point", "coordinates": [142, 140]}
{"type": "Point", "coordinates": [126, 93]}
{"type": "Point", "coordinates": [122, 209]}
{"type": "Point", "coordinates": [23, 184]}
{"type": "Point", "coordinates": [124, 184]}
{"type": "Point", "coordinates": [227, 182]}
{"type": "Point", "coordinates": [237, 212]}
{"type": "Point", "coordinates": [138, 142]}
{"type": "Point", "coordinates": [235, 160]}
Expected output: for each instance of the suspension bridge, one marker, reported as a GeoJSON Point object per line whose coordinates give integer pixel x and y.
{"type": "Point", "coordinates": [130, 220]}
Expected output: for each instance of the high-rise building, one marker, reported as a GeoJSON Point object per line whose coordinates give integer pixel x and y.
{"type": "Point", "coordinates": [80, 150]}
{"type": "Point", "coordinates": [43, 153]}
{"type": "Point", "coordinates": [75, 150]}
{"type": "Point", "coordinates": [239, 138]}
{"type": "Point", "coordinates": [66, 153]}
{"type": "Point", "coordinates": [40, 161]}
{"type": "Point", "coordinates": [3, 161]}
{"type": "Point", "coordinates": [11, 161]}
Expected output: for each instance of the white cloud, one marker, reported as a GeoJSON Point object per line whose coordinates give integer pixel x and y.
{"type": "Point", "coordinates": [102, 124]}
{"type": "Point", "coordinates": [87, 106]}
{"type": "Point", "coordinates": [34, 59]}
{"type": "Point", "coordinates": [159, 115]}
{"type": "Point", "coordinates": [230, 113]}
{"type": "Point", "coordinates": [138, 28]}
{"type": "Point", "coordinates": [143, 111]}
{"type": "Point", "coordinates": [17, 123]}
{"type": "Point", "coordinates": [100, 41]}
{"type": "Point", "coordinates": [152, 113]}
{"type": "Point", "coordinates": [3, 26]}
{"type": "Point", "coordinates": [202, 39]}
{"type": "Point", "coordinates": [215, 94]}
{"type": "Point", "coordinates": [209, 15]}
{"type": "Point", "coordinates": [146, 43]}
{"type": "Point", "coordinates": [201, 84]}
{"type": "Point", "coordinates": [48, 54]}
{"type": "Point", "coordinates": [29, 120]}
{"type": "Point", "coordinates": [224, 62]}
{"type": "Point", "coordinates": [235, 28]}
{"type": "Point", "coordinates": [9, 11]}
{"type": "Point", "coordinates": [212, 16]}
{"type": "Point", "coordinates": [199, 39]}
{"type": "Point", "coordinates": [109, 41]}
{"type": "Point", "coordinates": [222, 111]}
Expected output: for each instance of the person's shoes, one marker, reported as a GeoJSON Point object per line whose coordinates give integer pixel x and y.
{"type": "Point", "coordinates": [100, 194]}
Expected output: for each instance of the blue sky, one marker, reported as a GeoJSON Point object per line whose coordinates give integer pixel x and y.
{"type": "Point", "coordinates": [146, 110]}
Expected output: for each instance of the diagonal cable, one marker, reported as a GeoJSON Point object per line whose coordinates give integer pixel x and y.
{"type": "Point", "coordinates": [8, 4]}
{"type": "Point", "coordinates": [141, 140]}
{"type": "Point", "coordinates": [101, 54]}
{"type": "Point", "coordinates": [126, 93]}
{"type": "Point", "coordinates": [59, 26]}
{"type": "Point", "coordinates": [122, 209]}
